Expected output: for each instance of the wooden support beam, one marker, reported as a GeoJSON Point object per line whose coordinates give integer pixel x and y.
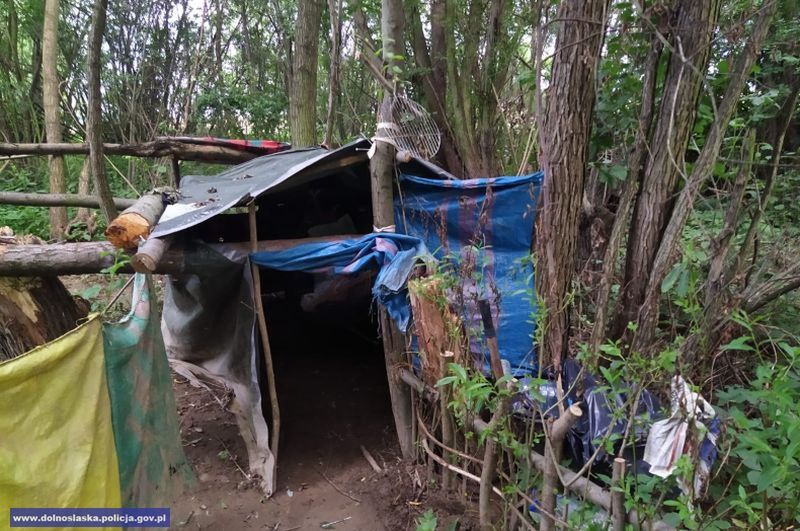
{"type": "Point", "coordinates": [618, 494]}
{"type": "Point", "coordinates": [163, 147]}
{"type": "Point", "coordinates": [53, 200]}
{"type": "Point", "coordinates": [26, 260]}
{"type": "Point", "coordinates": [262, 327]}
{"type": "Point", "coordinates": [150, 254]}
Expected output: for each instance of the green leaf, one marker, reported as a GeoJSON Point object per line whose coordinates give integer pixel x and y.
{"type": "Point", "coordinates": [683, 284]}
{"type": "Point", "coordinates": [740, 343]}
{"type": "Point", "coordinates": [671, 277]}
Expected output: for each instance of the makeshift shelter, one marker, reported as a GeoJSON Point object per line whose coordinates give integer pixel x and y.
{"type": "Point", "coordinates": [315, 206]}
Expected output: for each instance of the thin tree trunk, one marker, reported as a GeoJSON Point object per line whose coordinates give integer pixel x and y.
{"type": "Point", "coordinates": [94, 118]}
{"type": "Point", "coordinates": [303, 94]}
{"type": "Point", "coordinates": [567, 119]}
{"type": "Point", "coordinates": [626, 201]}
{"type": "Point", "coordinates": [694, 27]}
{"type": "Point", "coordinates": [720, 245]}
{"type": "Point", "coordinates": [334, 11]}
{"type": "Point", "coordinates": [83, 215]}
{"type": "Point", "coordinates": [783, 121]}
{"type": "Point", "coordinates": [52, 113]}
{"type": "Point", "coordinates": [382, 176]}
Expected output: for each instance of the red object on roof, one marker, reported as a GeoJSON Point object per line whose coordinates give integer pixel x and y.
{"type": "Point", "coordinates": [260, 147]}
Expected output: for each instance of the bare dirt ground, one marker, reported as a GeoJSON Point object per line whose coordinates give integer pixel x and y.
{"type": "Point", "coordinates": [319, 480]}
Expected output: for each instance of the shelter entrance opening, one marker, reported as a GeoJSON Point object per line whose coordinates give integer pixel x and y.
{"type": "Point", "coordinates": [330, 372]}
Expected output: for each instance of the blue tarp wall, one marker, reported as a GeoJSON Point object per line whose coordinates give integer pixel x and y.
{"type": "Point", "coordinates": [483, 227]}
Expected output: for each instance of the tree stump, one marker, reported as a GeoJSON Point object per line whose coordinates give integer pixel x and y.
{"type": "Point", "coordinates": [33, 311]}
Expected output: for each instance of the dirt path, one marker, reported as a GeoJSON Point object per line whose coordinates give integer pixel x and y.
{"type": "Point", "coordinates": [224, 499]}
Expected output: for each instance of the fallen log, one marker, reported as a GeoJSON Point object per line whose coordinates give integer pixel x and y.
{"type": "Point", "coordinates": [155, 149]}
{"type": "Point", "coordinates": [136, 222]}
{"type": "Point", "coordinates": [25, 260]}
{"type": "Point", "coordinates": [54, 200]}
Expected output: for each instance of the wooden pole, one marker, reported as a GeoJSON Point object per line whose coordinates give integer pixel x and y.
{"type": "Point", "coordinates": [70, 200]}
{"type": "Point", "coordinates": [554, 441]}
{"type": "Point", "coordinates": [618, 495]}
{"type": "Point", "coordinates": [490, 451]}
{"type": "Point", "coordinates": [176, 172]}
{"type": "Point", "coordinates": [162, 147]}
{"type": "Point", "coordinates": [79, 258]}
{"type": "Point", "coordinates": [381, 182]}
{"type": "Point", "coordinates": [262, 327]}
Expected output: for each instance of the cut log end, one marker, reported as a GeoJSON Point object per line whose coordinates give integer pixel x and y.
{"type": "Point", "coordinates": [128, 230]}
{"type": "Point", "coordinates": [149, 255]}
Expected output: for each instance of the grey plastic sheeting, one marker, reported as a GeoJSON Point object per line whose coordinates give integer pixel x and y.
{"type": "Point", "coordinates": [203, 197]}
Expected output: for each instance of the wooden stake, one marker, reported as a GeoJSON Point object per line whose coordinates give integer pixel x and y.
{"type": "Point", "coordinates": [557, 430]}
{"type": "Point", "coordinates": [262, 327]}
{"type": "Point", "coordinates": [490, 451]}
{"type": "Point", "coordinates": [370, 460]}
{"type": "Point", "coordinates": [176, 172]}
{"type": "Point", "coordinates": [618, 515]}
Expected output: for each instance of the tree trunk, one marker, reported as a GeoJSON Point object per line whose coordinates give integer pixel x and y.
{"type": "Point", "coordinates": [690, 39]}
{"type": "Point", "coordinates": [381, 170]}
{"type": "Point", "coordinates": [94, 118]}
{"type": "Point", "coordinates": [83, 215]}
{"type": "Point", "coordinates": [568, 119]}
{"type": "Point", "coordinates": [52, 114]}
{"type": "Point", "coordinates": [629, 194]}
{"type": "Point", "coordinates": [303, 94]}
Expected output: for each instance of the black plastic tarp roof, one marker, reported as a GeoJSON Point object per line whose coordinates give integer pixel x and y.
{"type": "Point", "coordinates": [203, 197]}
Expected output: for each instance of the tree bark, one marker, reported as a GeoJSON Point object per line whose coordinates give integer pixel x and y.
{"type": "Point", "coordinates": [563, 144]}
{"type": "Point", "coordinates": [94, 118]}
{"type": "Point", "coordinates": [83, 215]}
{"type": "Point", "coordinates": [628, 196]}
{"type": "Point", "coordinates": [334, 12]}
{"type": "Point", "coordinates": [52, 113]}
{"type": "Point", "coordinates": [303, 94]}
{"type": "Point", "coordinates": [690, 43]}
{"type": "Point", "coordinates": [381, 170]}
